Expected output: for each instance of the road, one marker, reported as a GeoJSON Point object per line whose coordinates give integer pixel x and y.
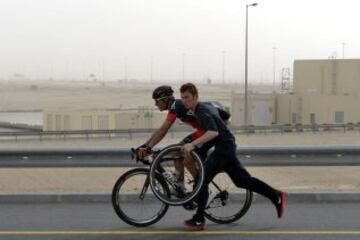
{"type": "Point", "coordinates": [98, 221]}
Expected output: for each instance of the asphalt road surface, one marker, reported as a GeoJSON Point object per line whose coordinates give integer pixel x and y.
{"type": "Point", "coordinates": [99, 221]}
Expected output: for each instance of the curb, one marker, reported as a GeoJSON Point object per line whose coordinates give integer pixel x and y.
{"type": "Point", "coordinates": [106, 197]}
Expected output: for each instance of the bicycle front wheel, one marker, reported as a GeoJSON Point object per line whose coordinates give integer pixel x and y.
{"type": "Point", "coordinates": [165, 165]}
{"type": "Point", "coordinates": [133, 200]}
{"type": "Point", "coordinates": [227, 203]}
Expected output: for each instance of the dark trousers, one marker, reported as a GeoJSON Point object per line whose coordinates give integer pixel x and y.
{"type": "Point", "coordinates": [224, 159]}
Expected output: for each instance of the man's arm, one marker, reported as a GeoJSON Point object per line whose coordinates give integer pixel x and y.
{"type": "Point", "coordinates": [207, 122]}
{"type": "Point", "coordinates": [159, 134]}
{"type": "Point", "coordinates": [208, 136]}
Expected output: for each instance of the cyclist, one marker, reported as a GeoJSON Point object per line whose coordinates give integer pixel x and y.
{"type": "Point", "coordinates": [165, 101]}
{"type": "Point", "coordinates": [223, 158]}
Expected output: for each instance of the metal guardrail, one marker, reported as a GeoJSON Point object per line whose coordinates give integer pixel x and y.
{"type": "Point", "coordinates": [120, 157]}
{"type": "Point", "coordinates": [286, 128]}
{"type": "Point", "coordinates": [133, 133]}
{"type": "Point", "coordinates": [42, 135]}
{"type": "Point", "coordinates": [20, 126]}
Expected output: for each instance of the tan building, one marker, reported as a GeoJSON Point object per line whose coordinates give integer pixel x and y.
{"type": "Point", "coordinates": [330, 77]}
{"type": "Point", "coordinates": [302, 109]}
{"type": "Point", "coordinates": [260, 109]}
{"type": "Point", "coordinates": [61, 120]}
{"type": "Point", "coordinates": [325, 91]}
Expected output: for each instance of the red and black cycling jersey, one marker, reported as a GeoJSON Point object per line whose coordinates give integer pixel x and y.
{"type": "Point", "coordinates": [178, 110]}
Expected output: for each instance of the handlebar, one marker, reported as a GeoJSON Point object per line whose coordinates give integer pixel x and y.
{"type": "Point", "coordinates": [146, 160]}
{"type": "Point", "coordinates": [152, 154]}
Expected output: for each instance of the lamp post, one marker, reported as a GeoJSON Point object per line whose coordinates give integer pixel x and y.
{"type": "Point", "coordinates": [274, 68]}
{"type": "Point", "coordinates": [125, 69]}
{"type": "Point", "coordinates": [246, 65]}
{"type": "Point", "coordinates": [183, 67]}
{"type": "Point", "coordinates": [223, 67]}
{"type": "Point", "coordinates": [151, 68]}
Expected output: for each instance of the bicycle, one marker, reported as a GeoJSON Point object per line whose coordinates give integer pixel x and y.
{"type": "Point", "coordinates": [140, 206]}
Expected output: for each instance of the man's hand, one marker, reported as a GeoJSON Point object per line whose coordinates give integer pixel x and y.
{"type": "Point", "coordinates": [143, 151]}
{"type": "Point", "coordinates": [188, 147]}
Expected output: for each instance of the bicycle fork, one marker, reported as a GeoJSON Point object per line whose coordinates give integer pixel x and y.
{"type": "Point", "coordinates": [145, 187]}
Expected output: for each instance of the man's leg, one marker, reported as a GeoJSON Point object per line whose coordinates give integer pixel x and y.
{"type": "Point", "coordinates": [189, 164]}
{"type": "Point", "coordinates": [179, 169]}
{"type": "Point", "coordinates": [241, 178]}
{"type": "Point", "coordinates": [212, 166]}
{"type": "Point", "coordinates": [179, 164]}
{"type": "Point", "coordinates": [189, 161]}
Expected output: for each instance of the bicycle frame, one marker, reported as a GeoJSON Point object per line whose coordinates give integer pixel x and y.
{"type": "Point", "coordinates": [161, 170]}
{"type": "Point", "coordinates": [219, 200]}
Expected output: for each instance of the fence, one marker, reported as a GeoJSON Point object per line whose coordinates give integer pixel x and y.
{"type": "Point", "coordinates": [174, 132]}
{"type": "Point", "coordinates": [120, 157]}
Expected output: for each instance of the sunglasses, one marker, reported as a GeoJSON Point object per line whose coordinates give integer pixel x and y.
{"type": "Point", "coordinates": [159, 99]}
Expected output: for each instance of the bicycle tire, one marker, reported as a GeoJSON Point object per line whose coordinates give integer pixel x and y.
{"type": "Point", "coordinates": [154, 171]}
{"type": "Point", "coordinates": [241, 202]}
{"type": "Point", "coordinates": [119, 201]}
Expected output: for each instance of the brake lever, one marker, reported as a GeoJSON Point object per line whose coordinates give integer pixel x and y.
{"type": "Point", "coordinates": [134, 154]}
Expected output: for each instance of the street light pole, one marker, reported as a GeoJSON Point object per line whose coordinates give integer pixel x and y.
{"type": "Point", "coordinates": [125, 69]}
{"type": "Point", "coordinates": [246, 65]}
{"type": "Point", "coordinates": [274, 68]}
{"type": "Point", "coordinates": [223, 67]}
{"type": "Point", "coordinates": [151, 68]}
{"type": "Point", "coordinates": [183, 67]}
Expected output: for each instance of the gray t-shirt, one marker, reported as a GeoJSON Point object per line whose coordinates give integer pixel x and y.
{"type": "Point", "coordinates": [210, 120]}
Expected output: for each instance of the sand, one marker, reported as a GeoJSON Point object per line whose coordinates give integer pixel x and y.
{"type": "Point", "coordinates": [49, 95]}
{"type": "Point", "coordinates": [29, 95]}
{"type": "Point", "coordinates": [101, 180]}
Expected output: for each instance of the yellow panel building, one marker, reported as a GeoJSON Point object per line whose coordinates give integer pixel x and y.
{"type": "Point", "coordinates": [324, 91]}
{"type": "Point", "coordinates": [88, 119]}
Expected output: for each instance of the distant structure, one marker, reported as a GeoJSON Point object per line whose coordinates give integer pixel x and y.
{"type": "Point", "coordinates": [261, 109]}
{"type": "Point", "coordinates": [323, 91]}
{"type": "Point", "coordinates": [285, 80]}
{"type": "Point", "coordinates": [94, 119]}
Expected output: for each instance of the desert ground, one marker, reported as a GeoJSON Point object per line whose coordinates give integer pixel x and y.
{"type": "Point", "coordinates": [28, 95]}
{"type": "Point", "coordinates": [31, 95]}
{"type": "Point", "coordinates": [101, 180]}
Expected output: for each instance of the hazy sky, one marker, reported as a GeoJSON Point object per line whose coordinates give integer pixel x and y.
{"type": "Point", "coordinates": [114, 39]}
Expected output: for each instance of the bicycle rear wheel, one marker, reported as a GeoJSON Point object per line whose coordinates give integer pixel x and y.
{"type": "Point", "coordinates": [164, 165]}
{"type": "Point", "coordinates": [227, 203]}
{"type": "Point", "coordinates": [133, 200]}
